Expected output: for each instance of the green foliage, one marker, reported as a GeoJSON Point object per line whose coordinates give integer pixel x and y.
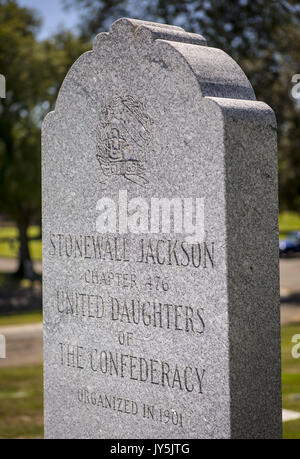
{"type": "Point", "coordinates": [20, 61]}
{"type": "Point", "coordinates": [34, 72]}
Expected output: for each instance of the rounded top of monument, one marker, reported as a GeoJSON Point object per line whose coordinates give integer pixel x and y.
{"type": "Point", "coordinates": [132, 45]}
{"type": "Point", "coordinates": [218, 75]}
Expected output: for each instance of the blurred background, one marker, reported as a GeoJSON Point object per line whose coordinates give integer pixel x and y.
{"type": "Point", "coordinates": [39, 41]}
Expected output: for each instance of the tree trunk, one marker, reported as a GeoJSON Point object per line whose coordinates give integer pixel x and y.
{"type": "Point", "coordinates": [25, 270]}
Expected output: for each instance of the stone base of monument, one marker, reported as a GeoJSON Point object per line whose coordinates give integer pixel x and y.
{"type": "Point", "coordinates": [160, 244]}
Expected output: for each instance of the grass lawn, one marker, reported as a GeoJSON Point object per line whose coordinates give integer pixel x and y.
{"type": "Point", "coordinates": [21, 319]}
{"type": "Point", "coordinates": [21, 395]}
{"type": "Point", "coordinates": [288, 221]}
{"type": "Point", "coordinates": [21, 402]}
{"type": "Point", "coordinates": [10, 248]}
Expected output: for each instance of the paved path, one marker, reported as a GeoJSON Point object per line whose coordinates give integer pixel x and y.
{"type": "Point", "coordinates": [289, 314]}
{"type": "Point", "coordinates": [24, 345]}
{"type": "Point", "coordinates": [290, 290]}
{"type": "Point", "coordinates": [290, 276]}
{"type": "Point", "coordinates": [10, 265]}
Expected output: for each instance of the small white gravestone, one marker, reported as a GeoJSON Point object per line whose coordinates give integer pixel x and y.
{"type": "Point", "coordinates": [2, 87]}
{"type": "Point", "coordinates": [2, 347]}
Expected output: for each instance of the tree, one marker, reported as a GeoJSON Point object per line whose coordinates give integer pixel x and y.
{"type": "Point", "coordinates": [34, 72]}
{"type": "Point", "coordinates": [263, 36]}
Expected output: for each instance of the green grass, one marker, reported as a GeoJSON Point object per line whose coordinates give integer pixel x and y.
{"type": "Point", "coordinates": [10, 248]}
{"type": "Point", "coordinates": [291, 430]}
{"type": "Point", "coordinates": [288, 221]}
{"type": "Point", "coordinates": [21, 402]}
{"type": "Point", "coordinates": [290, 380]}
{"type": "Point", "coordinates": [20, 319]}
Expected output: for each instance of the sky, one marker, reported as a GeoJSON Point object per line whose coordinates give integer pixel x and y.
{"type": "Point", "coordinates": [53, 15]}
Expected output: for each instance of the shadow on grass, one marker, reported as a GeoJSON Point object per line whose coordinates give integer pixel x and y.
{"type": "Point", "coordinates": [291, 430]}
{"type": "Point", "coordinates": [291, 299]}
{"type": "Point", "coordinates": [19, 296]}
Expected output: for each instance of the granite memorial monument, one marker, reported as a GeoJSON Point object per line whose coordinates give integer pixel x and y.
{"type": "Point", "coordinates": [160, 244]}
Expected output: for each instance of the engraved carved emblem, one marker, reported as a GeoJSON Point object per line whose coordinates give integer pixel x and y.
{"type": "Point", "coordinates": [123, 134]}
